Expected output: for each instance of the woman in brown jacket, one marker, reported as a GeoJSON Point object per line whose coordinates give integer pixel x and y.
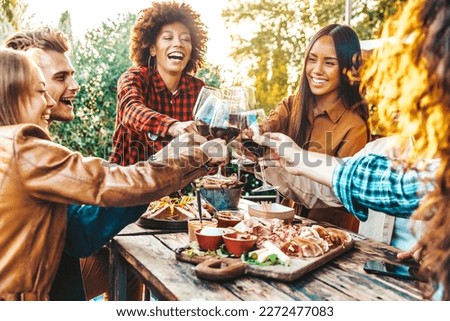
{"type": "Point", "coordinates": [327, 114]}
{"type": "Point", "coordinates": [38, 178]}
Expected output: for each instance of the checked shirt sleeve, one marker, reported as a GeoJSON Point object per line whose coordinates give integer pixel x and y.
{"type": "Point", "coordinates": [374, 182]}
{"type": "Point", "coordinates": [132, 109]}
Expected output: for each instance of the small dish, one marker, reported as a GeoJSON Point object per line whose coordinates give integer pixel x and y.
{"type": "Point", "coordinates": [209, 238]}
{"type": "Point", "coordinates": [229, 218]}
{"type": "Point", "coordinates": [276, 211]}
{"type": "Point", "coordinates": [223, 198]}
{"type": "Point", "coordinates": [194, 224]}
{"type": "Point", "coordinates": [239, 243]}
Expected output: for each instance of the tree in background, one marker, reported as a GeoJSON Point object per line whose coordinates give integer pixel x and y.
{"type": "Point", "coordinates": [279, 30]}
{"type": "Point", "coordinates": [272, 41]}
{"type": "Point", "coordinates": [12, 15]}
{"type": "Point", "coordinates": [65, 25]}
{"type": "Point", "coordinates": [211, 75]}
{"type": "Point", "coordinates": [369, 16]}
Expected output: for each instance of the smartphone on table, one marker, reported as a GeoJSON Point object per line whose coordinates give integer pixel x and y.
{"type": "Point", "coordinates": [395, 270]}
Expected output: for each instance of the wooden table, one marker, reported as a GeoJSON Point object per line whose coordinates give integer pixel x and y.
{"type": "Point", "coordinates": [152, 257]}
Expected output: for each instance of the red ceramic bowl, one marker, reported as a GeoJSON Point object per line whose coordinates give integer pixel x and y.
{"type": "Point", "coordinates": [239, 243]}
{"type": "Point", "coordinates": [228, 218]}
{"type": "Point", "coordinates": [209, 240]}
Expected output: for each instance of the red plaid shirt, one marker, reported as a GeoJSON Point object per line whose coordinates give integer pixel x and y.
{"type": "Point", "coordinates": [145, 110]}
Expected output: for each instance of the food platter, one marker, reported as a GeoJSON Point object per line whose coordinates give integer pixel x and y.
{"type": "Point", "coordinates": [215, 266]}
{"type": "Point", "coordinates": [297, 268]}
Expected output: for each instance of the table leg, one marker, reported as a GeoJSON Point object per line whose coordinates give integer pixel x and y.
{"type": "Point", "coordinates": [117, 288]}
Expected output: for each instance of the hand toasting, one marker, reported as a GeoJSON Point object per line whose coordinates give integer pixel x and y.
{"type": "Point", "coordinates": [215, 150]}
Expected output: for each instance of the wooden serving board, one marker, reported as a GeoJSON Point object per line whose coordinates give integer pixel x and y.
{"type": "Point", "coordinates": [297, 268]}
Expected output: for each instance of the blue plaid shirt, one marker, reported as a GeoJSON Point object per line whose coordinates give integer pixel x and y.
{"type": "Point", "coordinates": [374, 182]}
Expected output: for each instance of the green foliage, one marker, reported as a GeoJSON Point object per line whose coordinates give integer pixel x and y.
{"type": "Point", "coordinates": [329, 11]}
{"type": "Point", "coordinates": [275, 48]}
{"type": "Point", "coordinates": [367, 16]}
{"type": "Point", "coordinates": [211, 76]}
{"type": "Point", "coordinates": [12, 14]}
{"type": "Point", "coordinates": [8, 12]}
{"type": "Point", "coordinates": [281, 30]}
{"type": "Point", "coordinates": [370, 16]}
{"type": "Point", "coordinates": [65, 25]}
{"type": "Point", "coordinates": [99, 61]}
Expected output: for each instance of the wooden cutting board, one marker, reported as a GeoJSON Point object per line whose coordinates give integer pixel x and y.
{"type": "Point", "coordinates": [297, 268]}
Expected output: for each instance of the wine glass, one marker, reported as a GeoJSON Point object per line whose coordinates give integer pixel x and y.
{"type": "Point", "coordinates": [250, 124]}
{"type": "Point", "coordinates": [225, 122]}
{"type": "Point", "coordinates": [204, 113]}
{"type": "Point", "coordinates": [241, 95]}
{"type": "Point", "coordinates": [250, 98]}
{"type": "Point", "coordinates": [204, 109]}
{"type": "Point", "coordinates": [205, 92]}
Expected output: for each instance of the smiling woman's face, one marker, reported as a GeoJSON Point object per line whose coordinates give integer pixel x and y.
{"type": "Point", "coordinates": [36, 108]}
{"type": "Point", "coordinates": [173, 48]}
{"type": "Point", "coordinates": [322, 69]}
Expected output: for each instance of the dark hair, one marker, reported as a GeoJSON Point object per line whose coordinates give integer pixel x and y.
{"type": "Point", "coordinates": [44, 38]}
{"type": "Point", "coordinates": [16, 72]}
{"type": "Point", "coordinates": [348, 51]}
{"type": "Point", "coordinates": [150, 22]}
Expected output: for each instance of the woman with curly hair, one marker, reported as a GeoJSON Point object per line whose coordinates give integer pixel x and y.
{"type": "Point", "coordinates": [157, 94]}
{"type": "Point", "coordinates": [408, 79]}
{"type": "Point", "coordinates": [412, 78]}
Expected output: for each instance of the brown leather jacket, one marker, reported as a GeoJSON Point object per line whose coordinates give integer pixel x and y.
{"type": "Point", "coordinates": [37, 179]}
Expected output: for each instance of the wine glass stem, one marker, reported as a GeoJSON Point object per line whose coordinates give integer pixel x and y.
{"type": "Point", "coordinates": [239, 161]}
{"type": "Point", "coordinates": [263, 174]}
{"type": "Point", "coordinates": [219, 172]}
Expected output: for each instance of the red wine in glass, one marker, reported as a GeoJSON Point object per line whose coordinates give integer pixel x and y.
{"type": "Point", "coordinates": [202, 128]}
{"type": "Point", "coordinates": [227, 133]}
{"type": "Point", "coordinates": [254, 148]}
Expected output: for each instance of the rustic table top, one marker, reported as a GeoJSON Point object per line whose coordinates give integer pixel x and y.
{"type": "Point", "coordinates": [151, 253]}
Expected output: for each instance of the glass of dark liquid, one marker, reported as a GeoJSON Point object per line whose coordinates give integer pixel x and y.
{"type": "Point", "coordinates": [250, 125]}
{"type": "Point", "coordinates": [225, 123]}
{"type": "Point", "coordinates": [204, 109]}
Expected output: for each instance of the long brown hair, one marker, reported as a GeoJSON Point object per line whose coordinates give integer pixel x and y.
{"type": "Point", "coordinates": [16, 72]}
{"type": "Point", "coordinates": [409, 76]}
{"type": "Point", "coordinates": [348, 51]}
{"type": "Point", "coordinates": [150, 22]}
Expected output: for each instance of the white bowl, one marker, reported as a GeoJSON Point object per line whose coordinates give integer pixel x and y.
{"type": "Point", "coordinates": [277, 211]}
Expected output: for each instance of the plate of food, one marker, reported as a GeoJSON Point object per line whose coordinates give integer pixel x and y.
{"type": "Point", "coordinates": [171, 213]}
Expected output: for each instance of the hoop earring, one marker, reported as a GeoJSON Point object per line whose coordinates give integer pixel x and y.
{"type": "Point", "coordinates": [151, 62]}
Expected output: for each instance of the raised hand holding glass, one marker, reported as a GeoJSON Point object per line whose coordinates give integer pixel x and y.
{"type": "Point", "coordinates": [251, 122]}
